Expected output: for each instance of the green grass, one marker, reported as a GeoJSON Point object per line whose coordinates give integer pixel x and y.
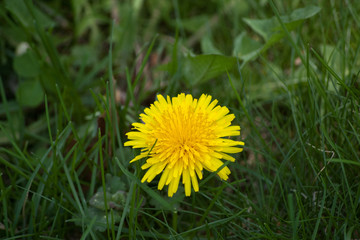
{"type": "Point", "coordinates": [88, 70]}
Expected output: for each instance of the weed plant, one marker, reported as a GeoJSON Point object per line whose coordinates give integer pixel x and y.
{"type": "Point", "coordinates": [76, 74]}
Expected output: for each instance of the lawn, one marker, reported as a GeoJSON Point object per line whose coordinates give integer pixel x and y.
{"type": "Point", "coordinates": [75, 76]}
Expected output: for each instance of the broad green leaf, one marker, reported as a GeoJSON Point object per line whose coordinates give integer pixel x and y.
{"type": "Point", "coordinates": [112, 208]}
{"type": "Point", "coordinates": [116, 200]}
{"type": "Point", "coordinates": [271, 30]}
{"type": "Point", "coordinates": [18, 8]}
{"type": "Point", "coordinates": [302, 13]}
{"type": "Point", "coordinates": [114, 184]}
{"type": "Point", "coordinates": [201, 68]}
{"type": "Point", "coordinates": [14, 34]}
{"type": "Point", "coordinates": [30, 93]}
{"type": "Point", "coordinates": [100, 216]}
{"type": "Point", "coordinates": [193, 24]}
{"type": "Point", "coordinates": [153, 195]}
{"type": "Point", "coordinates": [333, 58]}
{"type": "Point", "coordinates": [27, 64]}
{"type": "Point", "coordinates": [246, 48]}
{"type": "Point", "coordinates": [208, 47]}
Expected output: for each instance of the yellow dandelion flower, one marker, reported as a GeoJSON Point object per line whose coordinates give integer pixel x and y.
{"type": "Point", "coordinates": [180, 137]}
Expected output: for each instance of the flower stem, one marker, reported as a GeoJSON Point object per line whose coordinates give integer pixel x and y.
{"type": "Point", "coordinates": [174, 220]}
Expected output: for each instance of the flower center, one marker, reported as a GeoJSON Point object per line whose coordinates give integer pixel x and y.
{"type": "Point", "coordinates": [182, 133]}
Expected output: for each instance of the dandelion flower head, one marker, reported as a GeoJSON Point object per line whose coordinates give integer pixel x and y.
{"type": "Point", "coordinates": [180, 137]}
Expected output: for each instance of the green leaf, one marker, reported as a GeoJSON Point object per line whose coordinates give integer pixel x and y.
{"type": "Point", "coordinates": [194, 23]}
{"type": "Point", "coordinates": [208, 47]}
{"type": "Point", "coordinates": [201, 68]}
{"type": "Point", "coordinates": [302, 13]}
{"type": "Point", "coordinates": [345, 161]}
{"type": "Point", "coordinates": [114, 184]}
{"type": "Point", "coordinates": [112, 208]}
{"type": "Point", "coordinates": [333, 58]}
{"type": "Point", "coordinates": [27, 64]}
{"type": "Point", "coordinates": [246, 48]}
{"type": "Point", "coordinates": [18, 8]}
{"type": "Point", "coordinates": [30, 93]}
{"type": "Point", "coordinates": [116, 200]}
{"type": "Point", "coordinates": [153, 195]}
{"type": "Point", "coordinates": [92, 213]}
{"type": "Point", "coordinates": [270, 29]}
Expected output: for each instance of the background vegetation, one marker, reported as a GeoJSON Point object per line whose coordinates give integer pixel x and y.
{"type": "Point", "coordinates": [75, 75]}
